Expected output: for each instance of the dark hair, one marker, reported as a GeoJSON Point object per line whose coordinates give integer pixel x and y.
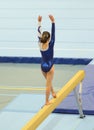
{"type": "Point", "coordinates": [45, 37]}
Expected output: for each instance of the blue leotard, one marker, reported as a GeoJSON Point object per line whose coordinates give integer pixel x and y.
{"type": "Point", "coordinates": [47, 55]}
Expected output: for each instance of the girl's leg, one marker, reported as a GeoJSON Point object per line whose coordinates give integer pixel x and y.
{"type": "Point", "coordinates": [44, 74]}
{"type": "Point", "coordinates": [49, 88]}
{"type": "Point", "coordinates": [49, 77]}
{"type": "Point", "coordinates": [53, 92]}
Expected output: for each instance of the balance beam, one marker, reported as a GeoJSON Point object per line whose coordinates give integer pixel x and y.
{"type": "Point", "coordinates": [61, 95]}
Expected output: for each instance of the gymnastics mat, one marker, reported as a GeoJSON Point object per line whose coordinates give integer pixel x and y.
{"type": "Point", "coordinates": [17, 113]}
{"type": "Point", "coordinates": [69, 105]}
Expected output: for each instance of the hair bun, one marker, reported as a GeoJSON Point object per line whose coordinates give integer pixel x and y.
{"type": "Point", "coordinates": [45, 37]}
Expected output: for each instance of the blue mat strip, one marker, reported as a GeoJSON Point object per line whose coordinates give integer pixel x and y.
{"type": "Point", "coordinates": [71, 111]}
{"type": "Point", "coordinates": [37, 60]}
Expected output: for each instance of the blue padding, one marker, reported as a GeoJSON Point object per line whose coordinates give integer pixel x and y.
{"type": "Point", "coordinates": [71, 111]}
{"type": "Point", "coordinates": [75, 61]}
{"type": "Point", "coordinates": [69, 105]}
{"type": "Point", "coordinates": [37, 60]}
{"type": "Point", "coordinates": [20, 60]}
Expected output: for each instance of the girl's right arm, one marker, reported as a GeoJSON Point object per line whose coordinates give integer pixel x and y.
{"type": "Point", "coordinates": [39, 27]}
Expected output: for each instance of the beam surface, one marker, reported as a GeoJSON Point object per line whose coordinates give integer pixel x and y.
{"type": "Point", "coordinates": [61, 95]}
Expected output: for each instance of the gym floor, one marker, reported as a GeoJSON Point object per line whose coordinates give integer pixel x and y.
{"type": "Point", "coordinates": [22, 93]}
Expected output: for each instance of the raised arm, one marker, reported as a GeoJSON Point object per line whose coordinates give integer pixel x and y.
{"type": "Point", "coordinates": [39, 26]}
{"type": "Point", "coordinates": [52, 29]}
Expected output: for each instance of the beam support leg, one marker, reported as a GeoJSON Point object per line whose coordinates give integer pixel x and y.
{"type": "Point", "coordinates": [79, 100]}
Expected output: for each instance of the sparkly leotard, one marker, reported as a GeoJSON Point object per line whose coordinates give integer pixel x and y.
{"type": "Point", "coordinates": [47, 55]}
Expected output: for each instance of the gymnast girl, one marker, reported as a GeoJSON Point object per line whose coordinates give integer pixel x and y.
{"type": "Point", "coordinates": [46, 46]}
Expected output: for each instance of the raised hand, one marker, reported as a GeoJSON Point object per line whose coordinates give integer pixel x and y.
{"type": "Point", "coordinates": [52, 18]}
{"type": "Point", "coordinates": [39, 18]}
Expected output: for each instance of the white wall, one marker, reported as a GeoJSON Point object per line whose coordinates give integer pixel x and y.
{"type": "Point", "coordinates": [74, 27]}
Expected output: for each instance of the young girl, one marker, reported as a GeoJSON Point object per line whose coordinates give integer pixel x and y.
{"type": "Point", "coordinates": [46, 45]}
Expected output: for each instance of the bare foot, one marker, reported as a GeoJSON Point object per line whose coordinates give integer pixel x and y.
{"type": "Point", "coordinates": [54, 95]}
{"type": "Point", "coordinates": [48, 103]}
